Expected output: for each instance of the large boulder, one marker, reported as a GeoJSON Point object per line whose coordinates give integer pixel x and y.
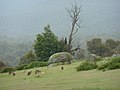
{"type": "Point", "coordinates": [60, 57]}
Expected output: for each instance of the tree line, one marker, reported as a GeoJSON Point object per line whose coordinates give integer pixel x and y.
{"type": "Point", "coordinates": [47, 43]}
{"type": "Point", "coordinates": [103, 49]}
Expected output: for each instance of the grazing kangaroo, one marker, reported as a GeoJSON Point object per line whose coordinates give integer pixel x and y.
{"type": "Point", "coordinates": [62, 68]}
{"type": "Point", "coordinates": [37, 71]}
{"type": "Point", "coordinates": [10, 72]}
{"type": "Point", "coordinates": [13, 73]}
{"type": "Point", "coordinates": [29, 73]}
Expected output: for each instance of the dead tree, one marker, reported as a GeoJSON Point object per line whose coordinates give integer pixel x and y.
{"type": "Point", "coordinates": [74, 13]}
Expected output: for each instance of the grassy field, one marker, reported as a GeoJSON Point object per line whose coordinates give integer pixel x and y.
{"type": "Point", "coordinates": [68, 79]}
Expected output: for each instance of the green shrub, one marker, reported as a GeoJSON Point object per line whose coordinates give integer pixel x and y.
{"type": "Point", "coordinates": [86, 66]}
{"type": "Point", "coordinates": [27, 67]}
{"type": "Point", "coordinates": [21, 67]}
{"type": "Point", "coordinates": [98, 59]}
{"type": "Point", "coordinates": [114, 66]}
{"type": "Point", "coordinates": [36, 64]}
{"type": "Point", "coordinates": [113, 63]}
{"type": "Point", "coordinates": [7, 69]}
{"type": "Point", "coordinates": [99, 63]}
{"type": "Point", "coordinates": [104, 65]}
{"type": "Point", "coordinates": [116, 60]}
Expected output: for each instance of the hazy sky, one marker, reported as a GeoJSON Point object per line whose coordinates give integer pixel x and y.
{"type": "Point", "coordinates": [26, 18]}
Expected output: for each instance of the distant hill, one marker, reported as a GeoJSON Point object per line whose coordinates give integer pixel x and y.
{"type": "Point", "coordinates": [12, 49]}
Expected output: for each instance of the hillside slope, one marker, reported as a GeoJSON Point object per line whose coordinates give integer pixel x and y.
{"type": "Point", "coordinates": [68, 79]}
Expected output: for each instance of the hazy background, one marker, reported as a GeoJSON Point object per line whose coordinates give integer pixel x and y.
{"type": "Point", "coordinates": [26, 18]}
{"type": "Point", "coordinates": [21, 20]}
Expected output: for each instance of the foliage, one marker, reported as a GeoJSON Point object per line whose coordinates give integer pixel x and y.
{"type": "Point", "coordinates": [21, 67]}
{"type": "Point", "coordinates": [7, 69]}
{"type": "Point", "coordinates": [103, 66]}
{"type": "Point", "coordinates": [101, 63]}
{"type": "Point", "coordinates": [112, 44]}
{"type": "Point", "coordinates": [115, 60]}
{"type": "Point", "coordinates": [86, 66]}
{"type": "Point", "coordinates": [113, 63]}
{"type": "Point", "coordinates": [96, 46]}
{"type": "Point", "coordinates": [46, 44]}
{"type": "Point", "coordinates": [29, 57]}
{"type": "Point", "coordinates": [114, 66]}
{"type": "Point", "coordinates": [36, 64]}
{"type": "Point", "coordinates": [98, 59]}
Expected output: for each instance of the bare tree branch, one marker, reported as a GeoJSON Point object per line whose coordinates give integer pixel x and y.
{"type": "Point", "coordinates": [75, 31]}
{"type": "Point", "coordinates": [74, 13]}
{"type": "Point", "coordinates": [77, 48]}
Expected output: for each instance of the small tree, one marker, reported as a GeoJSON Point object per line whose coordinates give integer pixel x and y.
{"type": "Point", "coordinates": [46, 44]}
{"type": "Point", "coordinates": [112, 44]}
{"type": "Point", "coordinates": [29, 57]}
{"type": "Point", "coordinates": [96, 46]}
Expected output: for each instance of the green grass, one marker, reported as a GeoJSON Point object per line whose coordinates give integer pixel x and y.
{"type": "Point", "coordinates": [68, 79]}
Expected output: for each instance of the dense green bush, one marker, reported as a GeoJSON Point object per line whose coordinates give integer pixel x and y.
{"type": "Point", "coordinates": [115, 60]}
{"type": "Point", "coordinates": [99, 63]}
{"type": "Point", "coordinates": [103, 66]}
{"type": "Point", "coordinates": [27, 67]}
{"type": "Point", "coordinates": [98, 58]}
{"type": "Point", "coordinates": [36, 64]}
{"type": "Point", "coordinates": [20, 67]}
{"type": "Point", "coordinates": [113, 63]}
{"type": "Point", "coordinates": [114, 66]}
{"type": "Point", "coordinates": [86, 66]}
{"type": "Point", "coordinates": [7, 69]}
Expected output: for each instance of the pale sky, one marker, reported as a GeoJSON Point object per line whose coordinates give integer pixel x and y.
{"type": "Point", "coordinates": [26, 18]}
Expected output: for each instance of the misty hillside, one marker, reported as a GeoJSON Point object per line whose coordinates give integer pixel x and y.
{"type": "Point", "coordinates": [12, 49]}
